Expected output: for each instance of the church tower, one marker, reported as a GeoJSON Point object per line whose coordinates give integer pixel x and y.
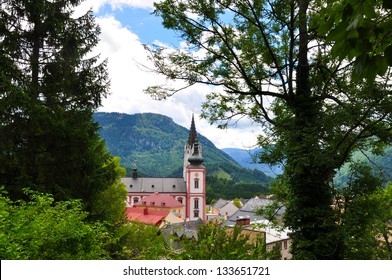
{"type": "Point", "coordinates": [189, 147]}
{"type": "Point", "coordinates": [195, 177]}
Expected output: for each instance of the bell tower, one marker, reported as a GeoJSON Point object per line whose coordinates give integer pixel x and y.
{"type": "Point", "coordinates": [195, 177]}
{"type": "Point", "coordinates": [189, 147]}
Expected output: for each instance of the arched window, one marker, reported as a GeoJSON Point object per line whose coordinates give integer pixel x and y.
{"type": "Point", "coordinates": [196, 203]}
{"type": "Point", "coordinates": [180, 199]}
{"type": "Point", "coordinates": [196, 183]}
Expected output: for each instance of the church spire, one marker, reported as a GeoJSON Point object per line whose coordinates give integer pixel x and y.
{"type": "Point", "coordinates": [192, 132]}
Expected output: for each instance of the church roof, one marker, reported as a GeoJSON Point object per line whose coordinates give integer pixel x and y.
{"type": "Point", "coordinates": [159, 200]}
{"type": "Point", "coordinates": [152, 185]}
{"type": "Point", "coordinates": [192, 133]}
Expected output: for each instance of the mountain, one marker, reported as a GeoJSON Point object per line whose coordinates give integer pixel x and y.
{"type": "Point", "coordinates": [246, 158]}
{"type": "Point", "coordinates": [381, 165]}
{"type": "Point", "coordinates": [155, 143]}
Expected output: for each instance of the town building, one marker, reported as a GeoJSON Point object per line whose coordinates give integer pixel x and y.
{"type": "Point", "coordinates": [255, 225]}
{"type": "Point", "coordinates": [190, 190]}
{"type": "Point", "coordinates": [154, 217]}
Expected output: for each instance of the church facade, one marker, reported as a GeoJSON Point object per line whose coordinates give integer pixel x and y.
{"type": "Point", "coordinates": [190, 190]}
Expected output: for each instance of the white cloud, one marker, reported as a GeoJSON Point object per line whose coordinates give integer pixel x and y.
{"type": "Point", "coordinates": [96, 5]}
{"type": "Point", "coordinates": [125, 53]}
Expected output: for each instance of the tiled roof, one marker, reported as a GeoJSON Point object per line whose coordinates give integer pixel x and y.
{"type": "Point", "coordinates": [159, 200]}
{"type": "Point", "coordinates": [151, 185]}
{"type": "Point", "coordinates": [146, 216]}
{"type": "Point", "coordinates": [249, 209]}
{"type": "Point", "coordinates": [220, 203]}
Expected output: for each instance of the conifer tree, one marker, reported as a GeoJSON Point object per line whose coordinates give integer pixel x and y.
{"type": "Point", "coordinates": [50, 86]}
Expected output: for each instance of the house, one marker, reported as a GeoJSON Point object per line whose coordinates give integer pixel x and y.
{"type": "Point", "coordinates": [249, 210]}
{"type": "Point", "coordinates": [270, 235]}
{"type": "Point", "coordinates": [159, 201]}
{"type": "Point", "coordinates": [154, 217]}
{"type": "Point", "coordinates": [223, 208]}
{"type": "Point", "coordinates": [189, 190]}
{"type": "Point", "coordinates": [254, 225]}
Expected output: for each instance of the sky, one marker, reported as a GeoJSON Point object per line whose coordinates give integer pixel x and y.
{"type": "Point", "coordinates": [125, 26]}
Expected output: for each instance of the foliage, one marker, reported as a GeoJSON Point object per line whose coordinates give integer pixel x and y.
{"type": "Point", "coordinates": [237, 202]}
{"type": "Point", "coordinates": [43, 229]}
{"type": "Point", "coordinates": [365, 215]}
{"type": "Point", "coordinates": [135, 241]}
{"type": "Point", "coordinates": [381, 165]}
{"type": "Point", "coordinates": [264, 61]}
{"type": "Point", "coordinates": [360, 31]}
{"type": "Point", "coordinates": [216, 242]}
{"type": "Point", "coordinates": [228, 189]}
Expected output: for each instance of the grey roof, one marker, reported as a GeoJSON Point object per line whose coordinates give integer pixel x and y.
{"type": "Point", "coordinates": [220, 203]}
{"type": "Point", "coordinates": [253, 204]}
{"type": "Point", "coordinates": [249, 210]}
{"type": "Point", "coordinates": [189, 229]}
{"type": "Point", "coordinates": [151, 185]}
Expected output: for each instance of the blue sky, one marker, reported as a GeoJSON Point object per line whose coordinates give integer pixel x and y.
{"type": "Point", "coordinates": [125, 26]}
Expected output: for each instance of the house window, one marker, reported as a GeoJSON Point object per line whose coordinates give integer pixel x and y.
{"type": "Point", "coordinates": [135, 200]}
{"type": "Point", "coordinates": [196, 205]}
{"type": "Point", "coordinates": [196, 183]}
{"type": "Point", "coordinates": [285, 245]}
{"type": "Point", "coordinates": [179, 200]}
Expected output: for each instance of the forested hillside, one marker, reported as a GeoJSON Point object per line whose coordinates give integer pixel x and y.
{"type": "Point", "coordinates": [156, 145]}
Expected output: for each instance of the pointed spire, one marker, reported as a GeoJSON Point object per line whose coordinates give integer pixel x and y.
{"type": "Point", "coordinates": [192, 132]}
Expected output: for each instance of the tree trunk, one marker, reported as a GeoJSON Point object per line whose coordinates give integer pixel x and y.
{"type": "Point", "coordinates": [309, 213]}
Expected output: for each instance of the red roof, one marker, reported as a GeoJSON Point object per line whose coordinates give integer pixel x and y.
{"type": "Point", "coordinates": [159, 200]}
{"type": "Point", "coordinates": [146, 216]}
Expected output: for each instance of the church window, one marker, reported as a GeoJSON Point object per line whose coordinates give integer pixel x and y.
{"type": "Point", "coordinates": [196, 205]}
{"type": "Point", "coordinates": [196, 183]}
{"type": "Point", "coordinates": [196, 214]}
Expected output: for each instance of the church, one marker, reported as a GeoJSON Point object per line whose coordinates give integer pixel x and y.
{"type": "Point", "coordinates": [190, 190]}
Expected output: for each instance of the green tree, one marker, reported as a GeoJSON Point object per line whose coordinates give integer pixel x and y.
{"type": "Point", "coordinates": [365, 215]}
{"type": "Point", "coordinates": [268, 63]}
{"type": "Point", "coordinates": [50, 86]}
{"type": "Point", "coordinates": [45, 229]}
{"type": "Point", "coordinates": [360, 32]}
{"type": "Point", "coordinates": [216, 242]}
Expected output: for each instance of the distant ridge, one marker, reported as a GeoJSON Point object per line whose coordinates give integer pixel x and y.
{"type": "Point", "coordinates": [246, 158]}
